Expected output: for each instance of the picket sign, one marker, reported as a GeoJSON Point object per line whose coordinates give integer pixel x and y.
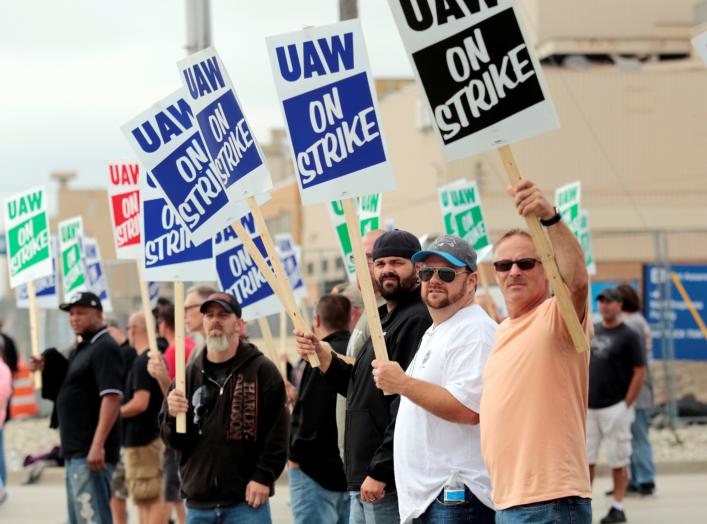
{"type": "Point", "coordinates": [700, 45]}
{"type": "Point", "coordinates": [544, 249]}
{"type": "Point", "coordinates": [568, 199]}
{"type": "Point", "coordinates": [585, 240]}
{"type": "Point", "coordinates": [269, 344]}
{"type": "Point", "coordinates": [180, 383]}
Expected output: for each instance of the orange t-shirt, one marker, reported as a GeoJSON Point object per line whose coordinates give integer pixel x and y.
{"type": "Point", "coordinates": [534, 410]}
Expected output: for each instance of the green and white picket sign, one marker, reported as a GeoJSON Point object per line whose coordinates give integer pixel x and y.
{"type": "Point", "coordinates": [585, 240]}
{"type": "Point", "coordinates": [568, 200]}
{"type": "Point", "coordinates": [71, 252]}
{"type": "Point", "coordinates": [27, 228]}
{"type": "Point", "coordinates": [369, 212]}
{"type": "Point", "coordinates": [461, 211]}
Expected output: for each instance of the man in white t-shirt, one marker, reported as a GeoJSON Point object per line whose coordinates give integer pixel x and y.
{"type": "Point", "coordinates": [439, 472]}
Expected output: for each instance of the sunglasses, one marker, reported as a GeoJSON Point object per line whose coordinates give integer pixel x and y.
{"type": "Point", "coordinates": [524, 264]}
{"type": "Point", "coordinates": [446, 274]}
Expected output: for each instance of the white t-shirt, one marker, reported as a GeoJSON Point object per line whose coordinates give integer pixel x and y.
{"type": "Point", "coordinates": [427, 449]}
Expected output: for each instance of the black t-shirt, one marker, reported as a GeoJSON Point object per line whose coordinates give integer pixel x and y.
{"type": "Point", "coordinates": [129, 355]}
{"type": "Point", "coordinates": [142, 429]}
{"type": "Point", "coordinates": [615, 352]}
{"type": "Point", "coordinates": [95, 369]}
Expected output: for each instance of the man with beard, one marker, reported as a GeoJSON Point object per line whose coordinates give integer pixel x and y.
{"type": "Point", "coordinates": [439, 472]}
{"type": "Point", "coordinates": [370, 415]}
{"type": "Point", "coordinates": [236, 442]}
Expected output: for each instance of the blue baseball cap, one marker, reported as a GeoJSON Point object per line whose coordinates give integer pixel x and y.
{"type": "Point", "coordinates": [454, 250]}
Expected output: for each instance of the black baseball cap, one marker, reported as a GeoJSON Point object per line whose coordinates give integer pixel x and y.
{"type": "Point", "coordinates": [454, 250]}
{"type": "Point", "coordinates": [82, 298]}
{"type": "Point", "coordinates": [396, 243]}
{"type": "Point", "coordinates": [225, 300]}
{"type": "Point", "coordinates": [610, 294]}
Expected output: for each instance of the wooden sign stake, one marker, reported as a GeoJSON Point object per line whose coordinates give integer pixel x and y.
{"type": "Point", "coordinates": [544, 249]}
{"type": "Point", "coordinates": [364, 278]}
{"type": "Point", "coordinates": [34, 329]}
{"type": "Point", "coordinates": [273, 282]}
{"type": "Point", "coordinates": [149, 317]}
{"type": "Point", "coordinates": [180, 382]}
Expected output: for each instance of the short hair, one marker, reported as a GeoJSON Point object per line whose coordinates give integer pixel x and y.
{"type": "Point", "coordinates": [334, 312]}
{"type": "Point", "coordinates": [631, 301]}
{"type": "Point", "coordinates": [513, 233]}
{"type": "Point", "coordinates": [167, 315]}
{"type": "Point", "coordinates": [203, 290]}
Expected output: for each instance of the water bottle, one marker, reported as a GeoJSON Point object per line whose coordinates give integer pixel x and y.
{"type": "Point", "coordinates": [454, 490]}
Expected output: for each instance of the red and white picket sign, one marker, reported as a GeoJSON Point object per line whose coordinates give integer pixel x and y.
{"type": "Point", "coordinates": [125, 205]}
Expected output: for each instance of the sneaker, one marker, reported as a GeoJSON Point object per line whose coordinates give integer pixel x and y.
{"type": "Point", "coordinates": [646, 489]}
{"type": "Point", "coordinates": [614, 515]}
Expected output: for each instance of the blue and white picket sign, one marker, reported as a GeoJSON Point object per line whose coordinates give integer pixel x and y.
{"type": "Point", "coordinates": [46, 292]}
{"type": "Point", "coordinates": [95, 276]}
{"type": "Point", "coordinates": [289, 256]}
{"type": "Point", "coordinates": [169, 253]}
{"type": "Point", "coordinates": [228, 137]}
{"type": "Point", "coordinates": [478, 70]}
{"type": "Point", "coordinates": [328, 100]}
{"type": "Point", "coordinates": [239, 275]}
{"type": "Point", "coordinates": [167, 141]}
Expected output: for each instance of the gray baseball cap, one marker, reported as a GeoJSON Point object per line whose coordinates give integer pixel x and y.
{"type": "Point", "coordinates": [454, 250]}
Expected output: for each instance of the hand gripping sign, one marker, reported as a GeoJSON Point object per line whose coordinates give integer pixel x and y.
{"type": "Point", "coordinates": [329, 103]}
{"type": "Point", "coordinates": [167, 141]}
{"type": "Point", "coordinates": [485, 90]}
{"type": "Point", "coordinates": [228, 138]}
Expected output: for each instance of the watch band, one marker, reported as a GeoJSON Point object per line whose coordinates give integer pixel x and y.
{"type": "Point", "coordinates": [552, 220]}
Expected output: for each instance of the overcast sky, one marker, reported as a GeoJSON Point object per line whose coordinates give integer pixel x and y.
{"type": "Point", "coordinates": [73, 71]}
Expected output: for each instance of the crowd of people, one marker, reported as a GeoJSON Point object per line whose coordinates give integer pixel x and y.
{"type": "Point", "coordinates": [467, 420]}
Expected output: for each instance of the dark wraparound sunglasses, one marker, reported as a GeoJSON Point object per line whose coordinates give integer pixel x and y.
{"type": "Point", "coordinates": [446, 274]}
{"type": "Point", "coordinates": [524, 264]}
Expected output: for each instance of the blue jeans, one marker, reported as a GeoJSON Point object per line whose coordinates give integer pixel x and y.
{"type": "Point", "coordinates": [472, 510]}
{"type": "Point", "coordinates": [3, 467]}
{"type": "Point", "coordinates": [569, 510]}
{"type": "Point", "coordinates": [383, 511]}
{"type": "Point", "coordinates": [88, 492]}
{"type": "Point", "coordinates": [239, 514]}
{"type": "Point", "coordinates": [312, 504]}
{"type": "Point", "coordinates": [642, 469]}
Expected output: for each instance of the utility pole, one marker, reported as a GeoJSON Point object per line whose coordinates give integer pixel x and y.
{"type": "Point", "coordinates": [348, 9]}
{"type": "Point", "coordinates": [198, 26]}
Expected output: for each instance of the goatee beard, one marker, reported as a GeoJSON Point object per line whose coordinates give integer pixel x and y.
{"type": "Point", "coordinates": [217, 343]}
{"type": "Point", "coordinates": [401, 290]}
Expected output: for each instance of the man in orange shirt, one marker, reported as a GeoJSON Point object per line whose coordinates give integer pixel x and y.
{"type": "Point", "coordinates": [534, 404]}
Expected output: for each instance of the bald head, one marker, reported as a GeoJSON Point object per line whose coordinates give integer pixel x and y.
{"type": "Point", "coordinates": [137, 332]}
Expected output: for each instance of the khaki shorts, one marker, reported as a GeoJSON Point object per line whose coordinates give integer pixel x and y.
{"type": "Point", "coordinates": [612, 424]}
{"type": "Point", "coordinates": [143, 471]}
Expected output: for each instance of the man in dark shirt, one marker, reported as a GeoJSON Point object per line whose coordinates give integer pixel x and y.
{"type": "Point", "coordinates": [370, 415]}
{"type": "Point", "coordinates": [316, 471]}
{"type": "Point", "coordinates": [87, 406]}
{"type": "Point", "coordinates": [142, 446]}
{"type": "Point", "coordinates": [617, 370]}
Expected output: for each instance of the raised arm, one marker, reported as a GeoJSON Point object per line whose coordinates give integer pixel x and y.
{"type": "Point", "coordinates": [529, 200]}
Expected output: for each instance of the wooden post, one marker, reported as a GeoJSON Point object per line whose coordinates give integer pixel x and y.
{"type": "Point", "coordinates": [282, 353]}
{"type": "Point", "coordinates": [269, 343]}
{"type": "Point", "coordinates": [273, 282]}
{"type": "Point", "coordinates": [544, 249]}
{"type": "Point", "coordinates": [180, 382]}
{"type": "Point", "coordinates": [364, 278]}
{"type": "Point", "coordinates": [34, 330]}
{"type": "Point", "coordinates": [149, 317]}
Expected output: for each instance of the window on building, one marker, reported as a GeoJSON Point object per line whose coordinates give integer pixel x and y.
{"type": "Point", "coordinates": [310, 268]}
{"type": "Point", "coordinates": [325, 265]}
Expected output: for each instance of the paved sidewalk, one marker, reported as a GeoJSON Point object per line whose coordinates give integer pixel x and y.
{"type": "Point", "coordinates": [681, 499]}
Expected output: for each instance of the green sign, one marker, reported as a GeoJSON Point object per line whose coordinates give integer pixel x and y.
{"type": "Point", "coordinates": [585, 240]}
{"type": "Point", "coordinates": [27, 228]}
{"type": "Point", "coordinates": [568, 200]}
{"type": "Point", "coordinates": [461, 212]}
{"type": "Point", "coordinates": [368, 209]}
{"type": "Point", "coordinates": [70, 249]}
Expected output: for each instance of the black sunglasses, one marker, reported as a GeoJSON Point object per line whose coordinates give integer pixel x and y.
{"type": "Point", "coordinates": [446, 274]}
{"type": "Point", "coordinates": [524, 264]}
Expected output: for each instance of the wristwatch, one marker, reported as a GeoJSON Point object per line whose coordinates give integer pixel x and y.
{"type": "Point", "coordinates": [554, 219]}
